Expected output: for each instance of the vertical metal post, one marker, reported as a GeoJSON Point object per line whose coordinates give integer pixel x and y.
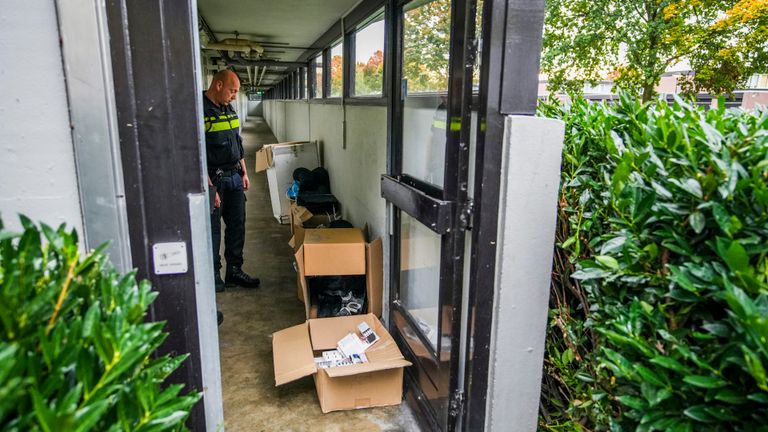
{"type": "Point", "coordinates": [462, 62]}
{"type": "Point", "coordinates": [327, 73]}
{"type": "Point", "coordinates": [156, 95]}
{"type": "Point", "coordinates": [511, 48]}
{"type": "Point", "coordinates": [349, 69]}
{"type": "Point", "coordinates": [302, 83]}
{"type": "Point", "coordinates": [311, 78]}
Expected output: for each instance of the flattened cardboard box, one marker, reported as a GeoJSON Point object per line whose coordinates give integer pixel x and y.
{"type": "Point", "coordinates": [339, 252]}
{"type": "Point", "coordinates": [376, 383]}
{"type": "Point", "coordinates": [279, 161]}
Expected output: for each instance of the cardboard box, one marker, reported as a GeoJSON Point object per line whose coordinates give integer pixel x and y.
{"type": "Point", "coordinates": [302, 218]}
{"type": "Point", "coordinates": [279, 161]}
{"type": "Point", "coordinates": [339, 252]}
{"type": "Point", "coordinates": [379, 382]}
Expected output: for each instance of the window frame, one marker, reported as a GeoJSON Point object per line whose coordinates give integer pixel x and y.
{"type": "Point", "coordinates": [351, 55]}
{"type": "Point", "coordinates": [327, 72]}
{"type": "Point", "coordinates": [363, 14]}
{"type": "Point", "coordinates": [317, 91]}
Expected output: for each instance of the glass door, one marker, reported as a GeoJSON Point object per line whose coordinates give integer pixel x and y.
{"type": "Point", "coordinates": [429, 116]}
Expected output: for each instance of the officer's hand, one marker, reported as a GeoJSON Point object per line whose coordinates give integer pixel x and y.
{"type": "Point", "coordinates": [217, 201]}
{"type": "Point", "coordinates": [246, 182]}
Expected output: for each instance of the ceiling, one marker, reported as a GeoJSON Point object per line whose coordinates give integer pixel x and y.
{"type": "Point", "coordinates": [285, 29]}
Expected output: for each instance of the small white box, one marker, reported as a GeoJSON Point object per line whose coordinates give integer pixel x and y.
{"type": "Point", "coordinates": [169, 258]}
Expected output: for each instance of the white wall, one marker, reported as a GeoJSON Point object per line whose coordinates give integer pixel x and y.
{"type": "Point", "coordinates": [355, 171]}
{"type": "Point", "coordinates": [255, 108]}
{"type": "Point", "coordinates": [38, 175]}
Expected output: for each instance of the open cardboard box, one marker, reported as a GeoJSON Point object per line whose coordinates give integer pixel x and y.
{"type": "Point", "coordinates": [302, 218]}
{"type": "Point", "coordinates": [379, 382]}
{"type": "Point", "coordinates": [338, 252]}
{"type": "Point", "coordinates": [279, 161]}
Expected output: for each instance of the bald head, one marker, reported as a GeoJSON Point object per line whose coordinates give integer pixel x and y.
{"type": "Point", "coordinates": [224, 87]}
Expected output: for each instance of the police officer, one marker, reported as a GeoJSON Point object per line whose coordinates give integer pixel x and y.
{"type": "Point", "coordinates": [227, 173]}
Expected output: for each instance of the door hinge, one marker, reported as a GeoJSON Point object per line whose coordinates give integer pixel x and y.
{"type": "Point", "coordinates": [456, 404]}
{"type": "Point", "coordinates": [467, 212]}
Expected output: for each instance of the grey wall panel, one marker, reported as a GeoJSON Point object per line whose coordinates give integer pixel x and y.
{"type": "Point", "coordinates": [88, 67]}
{"type": "Point", "coordinates": [38, 176]}
{"type": "Point", "coordinates": [296, 122]}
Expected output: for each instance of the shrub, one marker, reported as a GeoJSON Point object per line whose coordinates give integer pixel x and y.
{"type": "Point", "coordinates": [659, 317]}
{"type": "Point", "coordinates": [75, 352]}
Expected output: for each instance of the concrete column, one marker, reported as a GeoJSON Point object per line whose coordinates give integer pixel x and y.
{"type": "Point", "coordinates": [527, 218]}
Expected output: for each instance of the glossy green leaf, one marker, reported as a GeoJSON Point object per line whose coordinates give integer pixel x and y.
{"type": "Point", "coordinates": [650, 376]}
{"type": "Point", "coordinates": [736, 257]}
{"type": "Point", "coordinates": [607, 261]}
{"type": "Point", "coordinates": [669, 363]}
{"type": "Point", "coordinates": [697, 221]}
{"type": "Point", "coordinates": [590, 273]}
{"type": "Point", "coordinates": [704, 381]}
{"type": "Point", "coordinates": [731, 396]}
{"type": "Point", "coordinates": [755, 366]}
{"type": "Point", "coordinates": [632, 402]}
{"type": "Point", "coordinates": [699, 413]}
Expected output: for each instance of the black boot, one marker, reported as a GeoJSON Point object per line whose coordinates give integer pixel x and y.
{"type": "Point", "coordinates": [218, 283]}
{"type": "Point", "coordinates": [219, 317]}
{"type": "Point", "coordinates": [236, 276]}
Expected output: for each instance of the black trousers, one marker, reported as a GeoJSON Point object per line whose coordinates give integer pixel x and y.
{"type": "Point", "coordinates": [232, 210]}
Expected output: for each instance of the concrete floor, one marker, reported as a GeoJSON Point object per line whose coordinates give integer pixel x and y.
{"type": "Point", "coordinates": [251, 400]}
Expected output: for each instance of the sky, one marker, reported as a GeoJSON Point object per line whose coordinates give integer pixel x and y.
{"type": "Point", "coordinates": [369, 40]}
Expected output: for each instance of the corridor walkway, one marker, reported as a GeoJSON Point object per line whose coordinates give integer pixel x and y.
{"type": "Point", "coordinates": [251, 400]}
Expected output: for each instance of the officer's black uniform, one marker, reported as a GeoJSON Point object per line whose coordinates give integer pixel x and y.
{"type": "Point", "coordinates": [224, 149]}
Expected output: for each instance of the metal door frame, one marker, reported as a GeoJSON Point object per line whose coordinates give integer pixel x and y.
{"type": "Point", "coordinates": [511, 49]}
{"type": "Point", "coordinates": [445, 211]}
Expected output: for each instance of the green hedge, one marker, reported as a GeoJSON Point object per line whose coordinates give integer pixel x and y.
{"type": "Point", "coordinates": [659, 310]}
{"type": "Point", "coordinates": [75, 351]}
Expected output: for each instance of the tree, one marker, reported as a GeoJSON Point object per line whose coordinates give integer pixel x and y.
{"type": "Point", "coordinates": [426, 39]}
{"type": "Point", "coordinates": [369, 77]}
{"type": "Point", "coordinates": [636, 41]}
{"type": "Point", "coordinates": [337, 75]}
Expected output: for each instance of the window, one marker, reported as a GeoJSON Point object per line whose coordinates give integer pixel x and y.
{"type": "Point", "coordinates": [368, 43]}
{"type": "Point", "coordinates": [426, 41]}
{"type": "Point", "coordinates": [318, 83]}
{"type": "Point", "coordinates": [337, 70]}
